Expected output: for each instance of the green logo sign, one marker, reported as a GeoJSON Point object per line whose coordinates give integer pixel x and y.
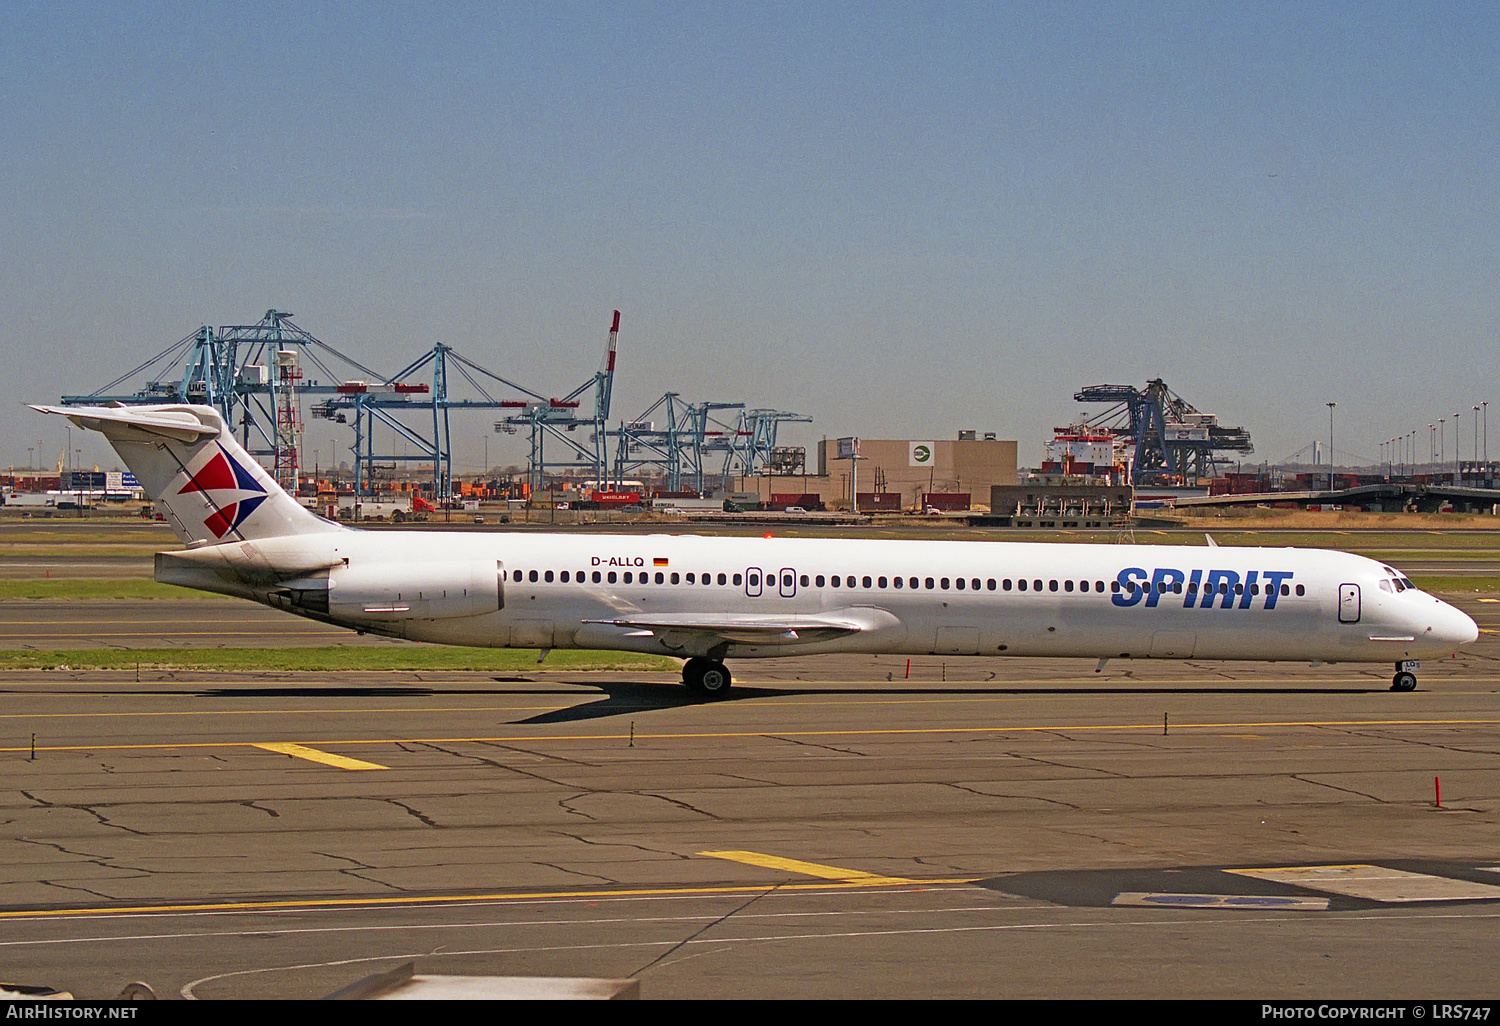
{"type": "Point", "coordinates": [921, 454]}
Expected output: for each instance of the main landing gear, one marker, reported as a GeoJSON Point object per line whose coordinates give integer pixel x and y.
{"type": "Point", "coordinates": [1405, 679]}
{"type": "Point", "coordinates": [707, 677]}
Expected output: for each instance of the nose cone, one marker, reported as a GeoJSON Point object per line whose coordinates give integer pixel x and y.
{"type": "Point", "coordinates": [1452, 626]}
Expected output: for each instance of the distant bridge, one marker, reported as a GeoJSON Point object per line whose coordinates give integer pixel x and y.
{"type": "Point", "coordinates": [1392, 496]}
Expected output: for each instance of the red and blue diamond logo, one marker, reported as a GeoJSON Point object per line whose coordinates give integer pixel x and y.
{"type": "Point", "coordinates": [220, 479]}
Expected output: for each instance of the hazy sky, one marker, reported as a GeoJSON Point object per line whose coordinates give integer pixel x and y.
{"type": "Point", "coordinates": [903, 219]}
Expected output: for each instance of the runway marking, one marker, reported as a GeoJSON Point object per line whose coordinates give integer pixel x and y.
{"type": "Point", "coordinates": [771, 734]}
{"type": "Point", "coordinates": [421, 927]}
{"type": "Point", "coordinates": [313, 755]}
{"type": "Point", "coordinates": [755, 858]}
{"type": "Point", "coordinates": [345, 711]}
{"type": "Point", "coordinates": [460, 899]}
{"type": "Point", "coordinates": [965, 690]}
{"type": "Point", "coordinates": [1376, 883]}
{"type": "Point", "coordinates": [1160, 900]}
{"type": "Point", "coordinates": [720, 940]}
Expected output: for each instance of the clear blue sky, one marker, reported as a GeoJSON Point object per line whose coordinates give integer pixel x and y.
{"type": "Point", "coordinates": [903, 219]}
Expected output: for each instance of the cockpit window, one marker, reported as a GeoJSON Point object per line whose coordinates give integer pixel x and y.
{"type": "Point", "coordinates": [1386, 586]}
{"type": "Point", "coordinates": [1399, 581]}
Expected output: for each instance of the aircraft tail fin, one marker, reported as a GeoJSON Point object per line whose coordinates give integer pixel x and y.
{"type": "Point", "coordinates": [191, 467]}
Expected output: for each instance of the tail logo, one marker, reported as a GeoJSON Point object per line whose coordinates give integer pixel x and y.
{"type": "Point", "coordinates": [223, 478]}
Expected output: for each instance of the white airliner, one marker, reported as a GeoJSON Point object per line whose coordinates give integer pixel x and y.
{"type": "Point", "coordinates": [708, 599]}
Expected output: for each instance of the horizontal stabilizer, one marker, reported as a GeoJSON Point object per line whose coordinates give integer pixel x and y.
{"type": "Point", "coordinates": [199, 477]}
{"type": "Point", "coordinates": [179, 424]}
{"type": "Point", "coordinates": [267, 561]}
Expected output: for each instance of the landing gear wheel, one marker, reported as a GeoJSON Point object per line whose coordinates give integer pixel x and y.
{"type": "Point", "coordinates": [1404, 681]}
{"type": "Point", "coordinates": [707, 677]}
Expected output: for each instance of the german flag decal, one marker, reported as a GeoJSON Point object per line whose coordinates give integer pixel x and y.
{"type": "Point", "coordinates": [659, 561]}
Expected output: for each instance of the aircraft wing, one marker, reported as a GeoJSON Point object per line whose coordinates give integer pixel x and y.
{"type": "Point", "coordinates": [674, 628]}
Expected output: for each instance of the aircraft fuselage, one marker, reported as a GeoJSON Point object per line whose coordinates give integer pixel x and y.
{"type": "Point", "coordinates": [900, 597]}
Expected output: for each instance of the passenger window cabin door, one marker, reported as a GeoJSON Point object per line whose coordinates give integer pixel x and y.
{"type": "Point", "coordinates": [788, 582]}
{"type": "Point", "coordinates": [1348, 603]}
{"type": "Point", "coordinates": [752, 582]}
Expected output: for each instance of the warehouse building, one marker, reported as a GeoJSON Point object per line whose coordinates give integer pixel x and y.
{"type": "Point", "coordinates": [949, 474]}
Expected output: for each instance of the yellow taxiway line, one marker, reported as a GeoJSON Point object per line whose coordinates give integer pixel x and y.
{"type": "Point", "coordinates": [313, 755]}
{"type": "Point", "coordinates": [518, 738]}
{"type": "Point", "coordinates": [466, 899]}
{"type": "Point", "coordinates": [755, 858]}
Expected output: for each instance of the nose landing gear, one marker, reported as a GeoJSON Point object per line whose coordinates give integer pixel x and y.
{"type": "Point", "coordinates": [1405, 679]}
{"type": "Point", "coordinates": [707, 677]}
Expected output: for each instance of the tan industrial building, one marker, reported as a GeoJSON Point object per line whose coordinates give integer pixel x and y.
{"type": "Point", "coordinates": [904, 469]}
{"type": "Point", "coordinates": [912, 468]}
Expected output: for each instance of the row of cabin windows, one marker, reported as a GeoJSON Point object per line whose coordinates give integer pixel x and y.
{"type": "Point", "coordinates": [850, 581]}
{"type": "Point", "coordinates": [629, 577]}
{"type": "Point", "coordinates": [1176, 588]}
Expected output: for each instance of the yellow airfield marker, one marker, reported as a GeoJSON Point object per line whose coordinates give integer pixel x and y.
{"type": "Point", "coordinates": [755, 858]}
{"type": "Point", "coordinates": [313, 755]}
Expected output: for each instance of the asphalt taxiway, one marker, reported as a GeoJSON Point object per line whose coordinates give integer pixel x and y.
{"type": "Point", "coordinates": [835, 828]}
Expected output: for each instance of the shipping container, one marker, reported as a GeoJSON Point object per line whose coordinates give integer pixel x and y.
{"type": "Point", "coordinates": [613, 499]}
{"type": "Point", "coordinates": [946, 501]}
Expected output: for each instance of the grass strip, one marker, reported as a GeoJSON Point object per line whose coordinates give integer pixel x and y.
{"type": "Point", "coordinates": [1455, 582]}
{"type": "Point", "coordinates": [70, 589]}
{"type": "Point", "coordinates": [328, 659]}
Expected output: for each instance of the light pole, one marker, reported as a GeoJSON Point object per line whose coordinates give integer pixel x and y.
{"type": "Point", "coordinates": [1476, 434]}
{"type": "Point", "coordinates": [1330, 445]}
{"type": "Point", "coordinates": [1457, 441]}
{"type": "Point", "coordinates": [1486, 416]}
